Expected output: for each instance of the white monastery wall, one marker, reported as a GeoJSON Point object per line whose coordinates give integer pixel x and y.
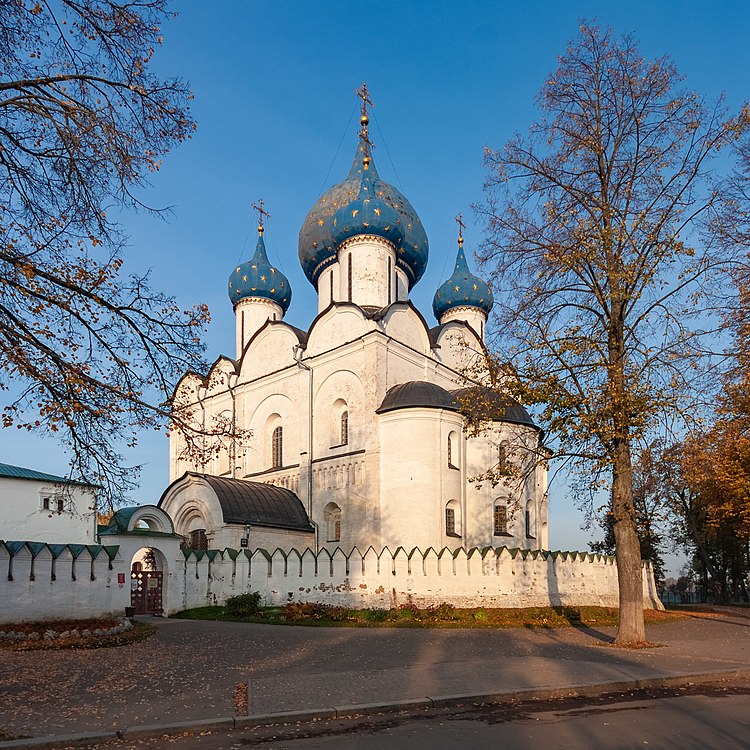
{"type": "Point", "coordinates": [40, 588]}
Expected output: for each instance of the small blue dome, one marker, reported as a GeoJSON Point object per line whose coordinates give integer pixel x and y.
{"type": "Point", "coordinates": [258, 278]}
{"type": "Point", "coordinates": [367, 214]}
{"type": "Point", "coordinates": [316, 245]}
{"type": "Point", "coordinates": [462, 289]}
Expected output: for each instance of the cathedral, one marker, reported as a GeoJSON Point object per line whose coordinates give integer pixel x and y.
{"type": "Point", "coordinates": [350, 433]}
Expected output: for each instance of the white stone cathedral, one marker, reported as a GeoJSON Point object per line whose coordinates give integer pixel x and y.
{"type": "Point", "coordinates": [354, 435]}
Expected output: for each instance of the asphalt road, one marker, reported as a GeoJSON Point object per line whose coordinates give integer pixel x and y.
{"type": "Point", "coordinates": [702, 716]}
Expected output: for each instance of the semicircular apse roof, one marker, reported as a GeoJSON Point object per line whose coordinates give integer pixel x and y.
{"type": "Point", "coordinates": [487, 404]}
{"type": "Point", "coordinates": [257, 503]}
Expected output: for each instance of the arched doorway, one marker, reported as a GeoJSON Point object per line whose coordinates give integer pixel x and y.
{"type": "Point", "coordinates": [147, 569]}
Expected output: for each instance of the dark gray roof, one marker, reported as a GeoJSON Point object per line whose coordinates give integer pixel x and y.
{"type": "Point", "coordinates": [491, 405]}
{"type": "Point", "coordinates": [258, 504]}
{"type": "Point", "coordinates": [416, 393]}
{"type": "Point", "coordinates": [488, 404]}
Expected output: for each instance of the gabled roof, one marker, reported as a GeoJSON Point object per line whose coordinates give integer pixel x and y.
{"type": "Point", "coordinates": [19, 472]}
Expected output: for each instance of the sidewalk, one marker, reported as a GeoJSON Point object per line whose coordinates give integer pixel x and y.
{"type": "Point", "coordinates": [190, 670]}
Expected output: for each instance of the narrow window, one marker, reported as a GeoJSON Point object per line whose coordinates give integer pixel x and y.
{"type": "Point", "coordinates": [389, 277]}
{"type": "Point", "coordinates": [277, 444]}
{"type": "Point", "coordinates": [242, 332]}
{"type": "Point", "coordinates": [452, 452]}
{"type": "Point", "coordinates": [349, 274]}
{"type": "Point", "coordinates": [330, 284]}
{"type": "Point", "coordinates": [450, 521]}
{"type": "Point", "coordinates": [60, 505]}
{"type": "Point", "coordinates": [529, 520]}
{"type": "Point", "coordinates": [344, 428]}
{"type": "Point", "coordinates": [500, 520]}
{"type": "Point", "coordinates": [46, 503]}
{"type": "Point", "coordinates": [332, 518]}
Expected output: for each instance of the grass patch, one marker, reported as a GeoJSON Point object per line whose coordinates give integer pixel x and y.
{"type": "Point", "coordinates": [139, 632]}
{"type": "Point", "coordinates": [440, 616]}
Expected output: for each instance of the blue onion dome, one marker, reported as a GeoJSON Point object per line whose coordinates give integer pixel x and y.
{"type": "Point", "coordinates": [462, 289]}
{"type": "Point", "coordinates": [317, 248]}
{"type": "Point", "coordinates": [369, 214]}
{"type": "Point", "coordinates": [258, 278]}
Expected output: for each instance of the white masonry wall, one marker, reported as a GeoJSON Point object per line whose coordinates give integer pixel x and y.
{"type": "Point", "coordinates": [89, 586]}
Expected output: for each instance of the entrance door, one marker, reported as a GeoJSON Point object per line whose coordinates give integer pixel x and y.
{"type": "Point", "coordinates": [145, 591]}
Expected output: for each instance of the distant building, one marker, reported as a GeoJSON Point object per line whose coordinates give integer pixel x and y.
{"type": "Point", "coordinates": [36, 506]}
{"type": "Point", "coordinates": [356, 420]}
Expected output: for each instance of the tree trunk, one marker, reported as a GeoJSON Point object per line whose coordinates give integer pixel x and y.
{"type": "Point", "coordinates": [632, 628]}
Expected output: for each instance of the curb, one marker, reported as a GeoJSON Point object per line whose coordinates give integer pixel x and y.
{"type": "Point", "coordinates": [228, 723]}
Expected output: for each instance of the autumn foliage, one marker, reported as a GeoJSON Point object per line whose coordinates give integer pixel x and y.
{"type": "Point", "coordinates": [607, 245]}
{"type": "Point", "coordinates": [87, 352]}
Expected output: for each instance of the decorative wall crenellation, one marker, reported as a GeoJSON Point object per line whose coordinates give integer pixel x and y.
{"type": "Point", "coordinates": [36, 585]}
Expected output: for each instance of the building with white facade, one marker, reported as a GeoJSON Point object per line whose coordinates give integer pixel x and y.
{"type": "Point", "coordinates": [44, 507]}
{"type": "Point", "coordinates": [355, 423]}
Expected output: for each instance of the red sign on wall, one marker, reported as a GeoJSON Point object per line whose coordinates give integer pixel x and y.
{"type": "Point", "coordinates": [121, 578]}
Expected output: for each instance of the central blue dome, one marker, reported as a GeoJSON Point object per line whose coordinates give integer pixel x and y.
{"type": "Point", "coordinates": [317, 246]}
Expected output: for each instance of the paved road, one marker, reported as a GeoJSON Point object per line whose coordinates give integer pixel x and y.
{"type": "Point", "coordinates": [705, 716]}
{"type": "Point", "coordinates": [190, 670]}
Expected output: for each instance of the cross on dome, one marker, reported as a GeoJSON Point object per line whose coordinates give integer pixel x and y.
{"type": "Point", "coordinates": [261, 213]}
{"type": "Point", "coordinates": [364, 121]}
{"type": "Point", "coordinates": [461, 226]}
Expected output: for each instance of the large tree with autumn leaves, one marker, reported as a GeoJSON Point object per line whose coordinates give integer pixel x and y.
{"type": "Point", "coordinates": [604, 255]}
{"type": "Point", "coordinates": [87, 352]}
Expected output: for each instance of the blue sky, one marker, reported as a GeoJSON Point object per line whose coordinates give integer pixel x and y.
{"type": "Point", "coordinates": [274, 101]}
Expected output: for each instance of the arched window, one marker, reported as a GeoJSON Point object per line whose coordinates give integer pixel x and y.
{"type": "Point", "coordinates": [332, 518]}
{"type": "Point", "coordinates": [277, 447]}
{"type": "Point", "coordinates": [344, 427]}
{"type": "Point", "coordinates": [452, 519]}
{"type": "Point", "coordinates": [452, 451]}
{"type": "Point", "coordinates": [198, 539]}
{"type": "Point", "coordinates": [500, 519]}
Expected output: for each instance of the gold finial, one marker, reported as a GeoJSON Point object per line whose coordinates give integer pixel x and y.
{"type": "Point", "coordinates": [461, 225]}
{"type": "Point", "coordinates": [261, 213]}
{"type": "Point", "coordinates": [364, 121]}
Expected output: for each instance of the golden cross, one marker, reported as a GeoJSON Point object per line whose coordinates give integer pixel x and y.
{"type": "Point", "coordinates": [364, 95]}
{"type": "Point", "coordinates": [461, 225]}
{"type": "Point", "coordinates": [261, 213]}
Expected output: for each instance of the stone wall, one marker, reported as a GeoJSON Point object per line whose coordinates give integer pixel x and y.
{"type": "Point", "coordinates": [34, 584]}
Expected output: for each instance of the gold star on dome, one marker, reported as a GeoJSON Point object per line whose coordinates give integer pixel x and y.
{"type": "Point", "coordinates": [262, 278]}
{"type": "Point", "coordinates": [244, 278]}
